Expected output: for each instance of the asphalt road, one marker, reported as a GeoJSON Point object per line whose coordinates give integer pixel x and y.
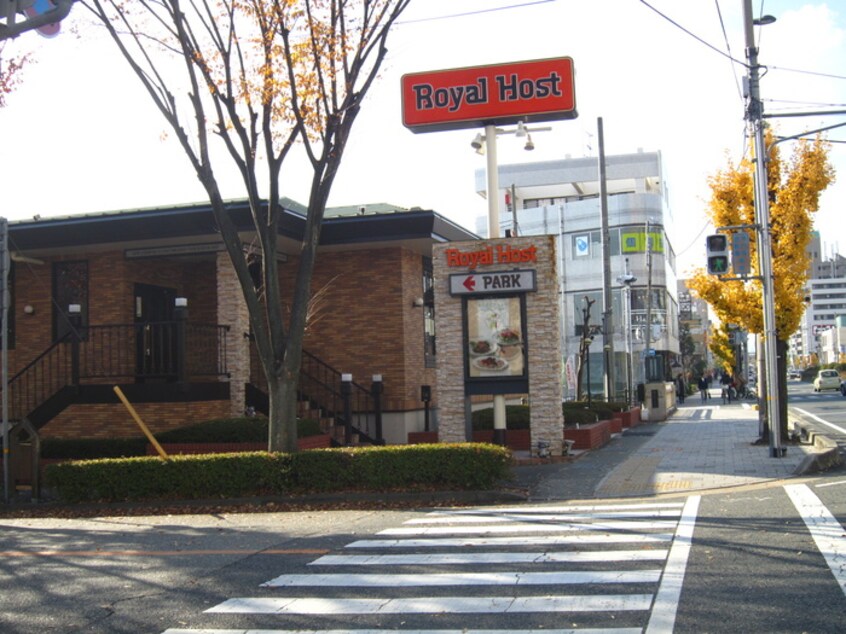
{"type": "Point", "coordinates": [760, 558]}
{"type": "Point", "coordinates": [824, 412]}
{"type": "Point", "coordinates": [739, 560]}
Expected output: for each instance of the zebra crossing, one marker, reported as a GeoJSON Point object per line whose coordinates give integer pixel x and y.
{"type": "Point", "coordinates": [597, 568]}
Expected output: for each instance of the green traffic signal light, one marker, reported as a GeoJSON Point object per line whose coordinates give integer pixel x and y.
{"type": "Point", "coordinates": [718, 264]}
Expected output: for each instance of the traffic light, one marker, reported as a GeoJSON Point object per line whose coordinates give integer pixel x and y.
{"type": "Point", "coordinates": [718, 256]}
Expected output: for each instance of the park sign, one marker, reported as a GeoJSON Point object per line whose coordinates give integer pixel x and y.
{"type": "Point", "coordinates": [532, 91]}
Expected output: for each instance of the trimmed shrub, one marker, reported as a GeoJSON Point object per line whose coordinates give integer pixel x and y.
{"type": "Point", "coordinates": [516, 416]}
{"type": "Point", "coordinates": [88, 448]}
{"type": "Point", "coordinates": [414, 467]}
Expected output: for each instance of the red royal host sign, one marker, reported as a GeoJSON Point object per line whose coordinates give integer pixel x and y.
{"type": "Point", "coordinates": [540, 90]}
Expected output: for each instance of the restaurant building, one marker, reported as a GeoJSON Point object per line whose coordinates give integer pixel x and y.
{"type": "Point", "coordinates": [147, 300]}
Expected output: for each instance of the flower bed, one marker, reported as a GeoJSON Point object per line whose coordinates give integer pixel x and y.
{"type": "Point", "coordinates": [589, 435]}
{"type": "Point", "coordinates": [629, 418]}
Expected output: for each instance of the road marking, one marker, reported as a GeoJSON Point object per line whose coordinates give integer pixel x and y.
{"type": "Point", "coordinates": [497, 578]}
{"type": "Point", "coordinates": [618, 630]}
{"type": "Point", "coordinates": [820, 420]}
{"type": "Point", "coordinates": [663, 616]}
{"type": "Point", "coordinates": [829, 484]}
{"type": "Point", "coordinates": [526, 527]}
{"type": "Point", "coordinates": [824, 528]}
{"type": "Point", "coordinates": [439, 518]}
{"type": "Point", "coordinates": [447, 558]}
{"type": "Point", "coordinates": [520, 540]}
{"type": "Point", "coordinates": [434, 605]}
{"type": "Point", "coordinates": [574, 508]}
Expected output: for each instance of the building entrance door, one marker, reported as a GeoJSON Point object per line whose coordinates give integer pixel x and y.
{"type": "Point", "coordinates": [155, 333]}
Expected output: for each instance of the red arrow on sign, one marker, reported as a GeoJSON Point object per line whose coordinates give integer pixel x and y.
{"type": "Point", "coordinates": [470, 283]}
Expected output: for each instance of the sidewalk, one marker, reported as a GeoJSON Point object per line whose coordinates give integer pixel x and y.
{"type": "Point", "coordinates": [701, 446]}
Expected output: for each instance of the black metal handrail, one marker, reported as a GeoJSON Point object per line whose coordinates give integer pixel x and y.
{"type": "Point", "coordinates": [322, 384]}
{"type": "Point", "coordinates": [39, 379]}
{"type": "Point", "coordinates": [173, 350]}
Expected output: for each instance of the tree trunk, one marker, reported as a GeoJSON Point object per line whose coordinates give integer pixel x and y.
{"type": "Point", "coordinates": [282, 409]}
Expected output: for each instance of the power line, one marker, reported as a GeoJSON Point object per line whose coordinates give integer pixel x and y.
{"type": "Point", "coordinates": [477, 12]}
{"type": "Point", "coordinates": [807, 72]}
{"type": "Point", "coordinates": [693, 35]}
{"type": "Point", "coordinates": [728, 48]}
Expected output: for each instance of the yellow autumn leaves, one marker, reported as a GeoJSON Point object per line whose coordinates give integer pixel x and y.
{"type": "Point", "coordinates": [794, 191]}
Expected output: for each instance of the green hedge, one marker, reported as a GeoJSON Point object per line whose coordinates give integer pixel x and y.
{"type": "Point", "coordinates": [224, 430]}
{"type": "Point", "coordinates": [415, 467]}
{"type": "Point", "coordinates": [516, 416]}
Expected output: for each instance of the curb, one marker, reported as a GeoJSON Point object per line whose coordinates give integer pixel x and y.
{"type": "Point", "coordinates": [825, 456]}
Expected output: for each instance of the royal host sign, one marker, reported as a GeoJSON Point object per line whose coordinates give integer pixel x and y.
{"type": "Point", "coordinates": [540, 90]}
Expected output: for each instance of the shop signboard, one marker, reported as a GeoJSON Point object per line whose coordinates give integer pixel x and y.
{"type": "Point", "coordinates": [494, 282]}
{"type": "Point", "coordinates": [502, 94]}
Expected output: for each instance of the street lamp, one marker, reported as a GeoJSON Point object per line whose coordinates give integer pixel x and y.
{"type": "Point", "coordinates": [626, 280]}
{"type": "Point", "coordinates": [486, 144]}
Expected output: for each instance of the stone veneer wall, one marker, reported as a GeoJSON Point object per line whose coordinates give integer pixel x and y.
{"type": "Point", "coordinates": [232, 312]}
{"type": "Point", "coordinates": [543, 341]}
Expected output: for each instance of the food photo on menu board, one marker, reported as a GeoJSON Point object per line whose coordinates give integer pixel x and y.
{"type": "Point", "coordinates": [494, 337]}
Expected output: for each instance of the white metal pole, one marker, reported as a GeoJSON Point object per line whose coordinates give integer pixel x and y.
{"type": "Point", "coordinates": [762, 212]}
{"type": "Point", "coordinates": [493, 233]}
{"type": "Point", "coordinates": [493, 181]}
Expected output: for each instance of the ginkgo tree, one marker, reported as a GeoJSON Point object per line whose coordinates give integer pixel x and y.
{"type": "Point", "coordinates": [258, 78]}
{"type": "Point", "coordinates": [794, 187]}
{"type": "Point", "coordinates": [722, 349]}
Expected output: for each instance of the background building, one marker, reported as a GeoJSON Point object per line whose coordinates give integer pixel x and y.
{"type": "Point", "coordinates": [826, 301]}
{"type": "Point", "coordinates": [562, 198]}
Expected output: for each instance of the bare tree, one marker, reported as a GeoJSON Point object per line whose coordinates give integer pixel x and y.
{"type": "Point", "coordinates": [10, 72]}
{"type": "Point", "coordinates": [259, 76]}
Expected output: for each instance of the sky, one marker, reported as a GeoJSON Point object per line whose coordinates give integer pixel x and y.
{"type": "Point", "coordinates": [80, 136]}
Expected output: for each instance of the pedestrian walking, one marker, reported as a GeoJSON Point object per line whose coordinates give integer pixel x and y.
{"type": "Point", "coordinates": [681, 387]}
{"type": "Point", "coordinates": [703, 388]}
{"type": "Point", "coordinates": [727, 388]}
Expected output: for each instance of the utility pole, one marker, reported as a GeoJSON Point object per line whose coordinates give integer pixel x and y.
{"type": "Point", "coordinates": [647, 333]}
{"type": "Point", "coordinates": [607, 305]}
{"type": "Point", "coordinates": [755, 117]}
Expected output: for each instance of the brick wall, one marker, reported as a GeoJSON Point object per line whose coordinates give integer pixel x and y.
{"type": "Point", "coordinates": [366, 324]}
{"type": "Point", "coordinates": [114, 421]}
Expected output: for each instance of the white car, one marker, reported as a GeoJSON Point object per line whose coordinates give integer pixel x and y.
{"type": "Point", "coordinates": [827, 380]}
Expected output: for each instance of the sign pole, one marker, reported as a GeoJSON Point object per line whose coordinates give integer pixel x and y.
{"type": "Point", "coordinates": [493, 233]}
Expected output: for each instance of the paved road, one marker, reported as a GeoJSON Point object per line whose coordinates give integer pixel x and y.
{"type": "Point", "coordinates": [683, 525]}
{"type": "Point", "coordinates": [824, 412]}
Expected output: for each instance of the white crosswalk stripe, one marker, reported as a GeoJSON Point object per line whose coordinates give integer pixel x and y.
{"type": "Point", "coordinates": [523, 560]}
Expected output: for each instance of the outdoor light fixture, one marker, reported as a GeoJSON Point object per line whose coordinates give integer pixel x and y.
{"type": "Point", "coordinates": [478, 143]}
{"type": "Point", "coordinates": [417, 302]}
{"type": "Point", "coordinates": [764, 20]}
{"type": "Point", "coordinates": [521, 130]}
{"type": "Point", "coordinates": [530, 145]}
